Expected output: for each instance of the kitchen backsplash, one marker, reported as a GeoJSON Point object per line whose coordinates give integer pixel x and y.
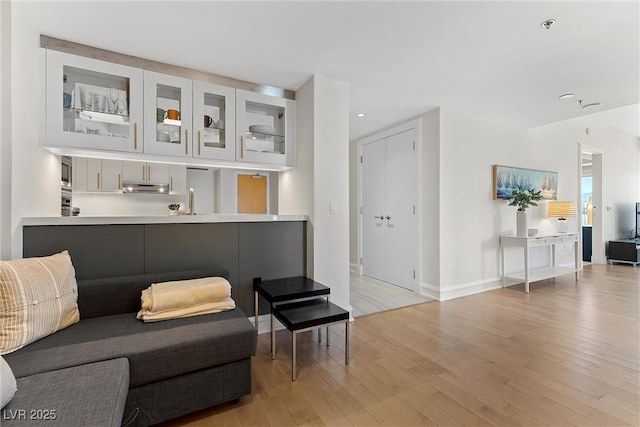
{"type": "Point", "coordinates": [110, 204]}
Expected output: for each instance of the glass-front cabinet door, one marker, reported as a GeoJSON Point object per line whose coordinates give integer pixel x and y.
{"type": "Point", "coordinates": [265, 128]}
{"type": "Point", "coordinates": [92, 104]}
{"type": "Point", "coordinates": [167, 114]}
{"type": "Point", "coordinates": [214, 119]}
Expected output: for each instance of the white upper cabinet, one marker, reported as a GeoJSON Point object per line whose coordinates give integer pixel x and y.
{"type": "Point", "coordinates": [167, 114]}
{"type": "Point", "coordinates": [111, 176]}
{"type": "Point", "coordinates": [92, 104]}
{"type": "Point", "coordinates": [264, 128]}
{"type": "Point", "coordinates": [145, 173]}
{"type": "Point", "coordinates": [103, 175]}
{"type": "Point", "coordinates": [95, 106]}
{"type": "Point", "coordinates": [214, 121]}
{"type": "Point", "coordinates": [158, 173]}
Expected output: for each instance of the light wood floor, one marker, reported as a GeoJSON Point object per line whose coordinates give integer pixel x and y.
{"type": "Point", "coordinates": [369, 296]}
{"type": "Point", "coordinates": [566, 354]}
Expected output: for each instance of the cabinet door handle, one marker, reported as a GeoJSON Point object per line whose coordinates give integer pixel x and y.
{"type": "Point", "coordinates": [135, 135]}
{"type": "Point", "coordinates": [198, 143]}
{"type": "Point", "coordinates": [119, 183]}
{"type": "Point", "coordinates": [242, 146]}
{"type": "Point", "coordinates": [388, 217]}
{"type": "Point", "coordinates": [379, 217]}
{"type": "Point", "coordinates": [98, 180]}
{"type": "Point", "coordinates": [144, 173]}
{"type": "Point", "coordinates": [148, 173]}
{"type": "Point", "coordinates": [186, 141]}
{"type": "Point", "coordinates": [171, 184]}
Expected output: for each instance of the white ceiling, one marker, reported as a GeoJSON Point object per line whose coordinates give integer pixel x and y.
{"type": "Point", "coordinates": [401, 59]}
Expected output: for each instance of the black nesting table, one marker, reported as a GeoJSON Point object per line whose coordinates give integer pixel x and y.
{"type": "Point", "coordinates": [300, 304]}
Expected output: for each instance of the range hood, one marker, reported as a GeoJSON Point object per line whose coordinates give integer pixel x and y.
{"type": "Point", "coordinates": [144, 187]}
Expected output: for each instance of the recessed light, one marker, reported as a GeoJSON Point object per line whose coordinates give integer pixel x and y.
{"type": "Point", "coordinates": [360, 115]}
{"type": "Point", "coordinates": [548, 23]}
{"type": "Point", "coordinates": [567, 95]}
{"type": "Point", "coordinates": [592, 105]}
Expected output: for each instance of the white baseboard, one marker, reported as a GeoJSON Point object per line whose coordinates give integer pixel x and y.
{"type": "Point", "coordinates": [264, 323]}
{"type": "Point", "coordinates": [353, 268]}
{"type": "Point", "coordinates": [461, 290]}
{"type": "Point", "coordinates": [470, 288]}
{"type": "Point", "coordinates": [429, 291]}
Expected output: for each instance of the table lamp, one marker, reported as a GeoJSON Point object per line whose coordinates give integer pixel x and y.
{"type": "Point", "coordinates": [562, 211]}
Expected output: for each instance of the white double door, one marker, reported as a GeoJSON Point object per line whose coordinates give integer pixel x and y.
{"type": "Point", "coordinates": [389, 209]}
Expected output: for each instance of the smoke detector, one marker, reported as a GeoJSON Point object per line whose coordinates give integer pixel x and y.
{"type": "Point", "coordinates": [548, 23]}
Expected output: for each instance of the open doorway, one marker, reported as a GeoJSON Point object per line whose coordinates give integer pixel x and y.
{"type": "Point", "coordinates": [590, 183]}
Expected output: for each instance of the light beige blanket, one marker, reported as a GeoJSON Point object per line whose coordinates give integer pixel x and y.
{"type": "Point", "coordinates": [194, 310]}
{"type": "Point", "coordinates": [184, 298]}
{"type": "Point", "coordinates": [181, 293]}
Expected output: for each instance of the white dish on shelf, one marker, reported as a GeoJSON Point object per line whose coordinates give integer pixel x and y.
{"type": "Point", "coordinates": [102, 117]}
{"type": "Point", "coordinates": [266, 129]}
{"type": "Point", "coordinates": [172, 122]}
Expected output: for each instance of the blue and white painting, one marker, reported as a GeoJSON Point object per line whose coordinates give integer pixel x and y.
{"type": "Point", "coordinates": [506, 178]}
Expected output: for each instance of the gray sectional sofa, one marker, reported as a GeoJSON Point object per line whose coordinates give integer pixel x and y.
{"type": "Point", "coordinates": [166, 369]}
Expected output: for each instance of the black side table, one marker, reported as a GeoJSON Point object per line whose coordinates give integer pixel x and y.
{"type": "Point", "coordinates": [306, 315]}
{"type": "Point", "coordinates": [286, 290]}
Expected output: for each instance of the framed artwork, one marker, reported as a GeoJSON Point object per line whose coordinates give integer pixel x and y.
{"type": "Point", "coordinates": [506, 178]}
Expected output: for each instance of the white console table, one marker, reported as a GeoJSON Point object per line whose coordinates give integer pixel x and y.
{"type": "Point", "coordinates": [533, 275]}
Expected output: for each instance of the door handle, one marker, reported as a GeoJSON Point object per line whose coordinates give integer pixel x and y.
{"type": "Point", "coordinates": [388, 217]}
{"type": "Point", "coordinates": [135, 136]}
{"type": "Point", "coordinates": [379, 217]}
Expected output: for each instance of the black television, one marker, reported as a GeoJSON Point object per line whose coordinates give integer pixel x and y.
{"type": "Point", "coordinates": [637, 220]}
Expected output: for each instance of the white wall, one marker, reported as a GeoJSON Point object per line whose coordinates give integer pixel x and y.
{"type": "Point", "coordinates": [226, 187]}
{"type": "Point", "coordinates": [429, 274]}
{"type": "Point", "coordinates": [5, 130]}
{"type": "Point", "coordinates": [331, 164]}
{"type": "Point", "coordinates": [321, 178]}
{"type": "Point", "coordinates": [470, 220]}
{"type": "Point", "coordinates": [353, 206]}
{"type": "Point", "coordinates": [201, 180]}
{"type": "Point", "coordinates": [296, 185]}
{"type": "Point", "coordinates": [621, 153]}
{"type": "Point", "coordinates": [35, 172]}
{"type": "Point", "coordinates": [461, 223]}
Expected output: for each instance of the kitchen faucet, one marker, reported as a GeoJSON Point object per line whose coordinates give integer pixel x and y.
{"type": "Point", "coordinates": [191, 202]}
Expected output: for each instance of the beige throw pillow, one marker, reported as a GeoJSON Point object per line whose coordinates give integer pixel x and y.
{"type": "Point", "coordinates": [38, 296]}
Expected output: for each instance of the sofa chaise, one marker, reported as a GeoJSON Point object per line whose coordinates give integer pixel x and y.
{"type": "Point", "coordinates": [168, 368]}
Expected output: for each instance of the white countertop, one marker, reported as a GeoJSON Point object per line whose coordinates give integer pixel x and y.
{"type": "Point", "coordinates": [158, 219]}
